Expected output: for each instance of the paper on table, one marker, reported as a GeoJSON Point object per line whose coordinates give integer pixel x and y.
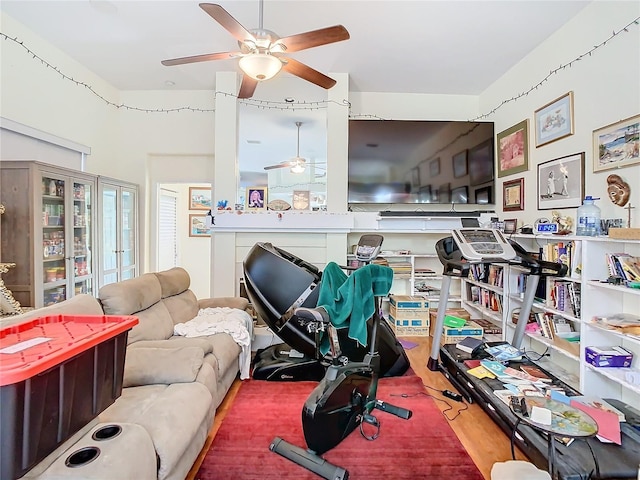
{"type": "Point", "coordinates": [541, 415]}
{"type": "Point", "coordinates": [608, 422]}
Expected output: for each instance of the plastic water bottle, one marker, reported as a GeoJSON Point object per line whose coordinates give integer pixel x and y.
{"type": "Point", "coordinates": [588, 218]}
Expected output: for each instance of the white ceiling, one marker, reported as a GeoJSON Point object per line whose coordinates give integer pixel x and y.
{"type": "Point", "coordinates": [427, 46]}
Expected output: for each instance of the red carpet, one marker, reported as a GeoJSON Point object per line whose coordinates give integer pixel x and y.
{"type": "Point", "coordinates": [421, 447]}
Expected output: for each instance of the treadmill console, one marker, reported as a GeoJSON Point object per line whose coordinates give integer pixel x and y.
{"type": "Point", "coordinates": [483, 244]}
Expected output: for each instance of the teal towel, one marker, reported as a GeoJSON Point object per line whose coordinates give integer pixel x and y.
{"type": "Point", "coordinates": [349, 300]}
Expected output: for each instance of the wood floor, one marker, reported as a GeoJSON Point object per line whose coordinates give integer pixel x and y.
{"type": "Point", "coordinates": [482, 438]}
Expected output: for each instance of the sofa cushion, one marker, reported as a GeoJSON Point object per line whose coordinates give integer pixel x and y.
{"type": "Point", "coordinates": [226, 351]}
{"type": "Point", "coordinates": [173, 281]}
{"type": "Point", "coordinates": [79, 305]}
{"type": "Point", "coordinates": [130, 296]}
{"type": "Point", "coordinates": [154, 323]}
{"type": "Point", "coordinates": [182, 307]}
{"type": "Point", "coordinates": [146, 366]}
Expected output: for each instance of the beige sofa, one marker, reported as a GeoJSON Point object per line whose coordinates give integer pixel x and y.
{"type": "Point", "coordinates": [172, 384]}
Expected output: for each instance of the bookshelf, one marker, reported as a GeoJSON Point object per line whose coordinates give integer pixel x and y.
{"type": "Point", "coordinates": [588, 271]}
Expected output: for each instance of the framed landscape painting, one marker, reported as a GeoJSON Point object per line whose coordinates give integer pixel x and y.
{"type": "Point", "coordinates": [555, 120]}
{"type": "Point", "coordinates": [198, 226]}
{"type": "Point", "coordinates": [199, 198]}
{"type": "Point", "coordinates": [617, 145]}
{"type": "Point", "coordinates": [513, 149]}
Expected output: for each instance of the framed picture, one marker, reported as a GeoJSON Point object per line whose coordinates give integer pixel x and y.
{"type": "Point", "coordinates": [561, 182]}
{"type": "Point", "coordinates": [256, 198]}
{"type": "Point", "coordinates": [459, 164]}
{"type": "Point", "coordinates": [510, 225]}
{"type": "Point", "coordinates": [198, 226]}
{"type": "Point", "coordinates": [415, 177]}
{"type": "Point", "coordinates": [301, 200]}
{"type": "Point", "coordinates": [483, 195]}
{"type": "Point", "coordinates": [434, 167]}
{"type": "Point", "coordinates": [480, 163]}
{"type": "Point", "coordinates": [513, 149]}
{"type": "Point", "coordinates": [444, 193]}
{"type": "Point", "coordinates": [617, 145]}
{"type": "Point", "coordinates": [199, 198]}
{"type": "Point", "coordinates": [425, 194]}
{"type": "Point", "coordinates": [460, 195]}
{"type": "Point", "coordinates": [555, 120]}
{"type": "Point", "coordinates": [513, 195]}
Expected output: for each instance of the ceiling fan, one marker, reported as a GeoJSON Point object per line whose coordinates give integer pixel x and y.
{"type": "Point", "coordinates": [262, 52]}
{"type": "Point", "coordinates": [297, 164]}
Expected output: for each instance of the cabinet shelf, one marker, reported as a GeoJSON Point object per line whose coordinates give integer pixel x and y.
{"type": "Point", "coordinates": [487, 286]}
{"type": "Point", "coordinates": [617, 375]}
{"type": "Point", "coordinates": [614, 288]}
{"type": "Point", "coordinates": [487, 312]}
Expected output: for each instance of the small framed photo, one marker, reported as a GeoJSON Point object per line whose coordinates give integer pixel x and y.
{"type": "Point", "coordinates": [480, 162]}
{"type": "Point", "coordinates": [415, 177]}
{"type": "Point", "coordinates": [513, 195]}
{"type": "Point", "coordinates": [561, 182]}
{"type": "Point", "coordinates": [459, 164]}
{"type": "Point", "coordinates": [198, 226]}
{"type": "Point", "coordinates": [460, 195]}
{"type": "Point", "coordinates": [256, 198]}
{"type": "Point", "coordinates": [617, 145]}
{"type": "Point", "coordinates": [434, 168]}
{"type": "Point", "coordinates": [513, 149]}
{"type": "Point", "coordinates": [510, 225]}
{"type": "Point", "coordinates": [301, 200]}
{"type": "Point", "coordinates": [555, 120]}
{"type": "Point", "coordinates": [483, 195]}
{"type": "Point", "coordinates": [444, 193]}
{"type": "Point", "coordinates": [199, 198]}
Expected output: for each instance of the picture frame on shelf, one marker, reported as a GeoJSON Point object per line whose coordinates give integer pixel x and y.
{"type": "Point", "coordinates": [513, 149]}
{"type": "Point", "coordinates": [554, 120]}
{"type": "Point", "coordinates": [425, 194]}
{"type": "Point", "coordinates": [561, 182]}
{"type": "Point", "coordinates": [480, 163]}
{"type": "Point", "coordinates": [617, 145]}
{"type": "Point", "coordinates": [484, 195]}
{"type": "Point", "coordinates": [510, 225]}
{"type": "Point", "coordinates": [301, 200]}
{"type": "Point", "coordinates": [444, 193]}
{"type": "Point", "coordinates": [256, 198]}
{"type": "Point", "coordinates": [459, 163]}
{"type": "Point", "coordinates": [434, 167]}
{"type": "Point", "coordinates": [415, 177]}
{"type": "Point", "coordinates": [513, 195]}
{"type": "Point", "coordinates": [460, 195]}
{"type": "Point", "coordinates": [199, 198]}
{"type": "Point", "coordinates": [198, 225]}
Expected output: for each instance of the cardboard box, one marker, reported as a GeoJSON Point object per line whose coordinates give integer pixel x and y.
{"type": "Point", "coordinates": [456, 312]}
{"type": "Point", "coordinates": [608, 356]}
{"type": "Point", "coordinates": [410, 327]}
{"type": "Point", "coordinates": [454, 335]}
{"type": "Point", "coordinates": [409, 308]}
{"type": "Point", "coordinates": [625, 233]}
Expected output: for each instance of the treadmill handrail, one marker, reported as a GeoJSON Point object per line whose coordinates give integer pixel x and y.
{"type": "Point", "coordinates": [537, 266]}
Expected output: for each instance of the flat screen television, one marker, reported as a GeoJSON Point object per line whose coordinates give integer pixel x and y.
{"type": "Point", "coordinates": [421, 162]}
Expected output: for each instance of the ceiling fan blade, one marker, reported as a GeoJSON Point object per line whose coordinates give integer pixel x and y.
{"type": "Point", "coordinates": [279, 165]}
{"type": "Point", "coordinates": [247, 87]}
{"type": "Point", "coordinates": [200, 58]}
{"type": "Point", "coordinates": [301, 70]}
{"type": "Point", "coordinates": [230, 24]}
{"type": "Point", "coordinates": [315, 38]}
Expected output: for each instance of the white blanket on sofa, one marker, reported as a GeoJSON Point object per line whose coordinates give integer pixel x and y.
{"type": "Point", "coordinates": [232, 321]}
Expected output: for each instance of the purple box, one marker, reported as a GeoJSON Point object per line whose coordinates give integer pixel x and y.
{"type": "Point", "coordinates": [608, 356]}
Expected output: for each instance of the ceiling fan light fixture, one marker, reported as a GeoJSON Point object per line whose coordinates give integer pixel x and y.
{"type": "Point", "coordinates": [260, 66]}
{"type": "Point", "coordinates": [297, 168]}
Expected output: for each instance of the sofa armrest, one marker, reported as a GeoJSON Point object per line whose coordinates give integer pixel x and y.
{"type": "Point", "coordinates": [240, 303]}
{"type": "Point", "coordinates": [148, 366]}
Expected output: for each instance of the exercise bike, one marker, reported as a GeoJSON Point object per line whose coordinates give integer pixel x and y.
{"type": "Point", "coordinates": [346, 397]}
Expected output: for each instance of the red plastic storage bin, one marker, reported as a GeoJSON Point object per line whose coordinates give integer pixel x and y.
{"type": "Point", "coordinates": [57, 373]}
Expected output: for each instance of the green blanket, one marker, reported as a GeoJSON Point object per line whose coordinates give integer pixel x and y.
{"type": "Point", "coordinates": [349, 299]}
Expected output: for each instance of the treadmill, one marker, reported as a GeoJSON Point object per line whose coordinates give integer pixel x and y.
{"type": "Point", "coordinates": [278, 282]}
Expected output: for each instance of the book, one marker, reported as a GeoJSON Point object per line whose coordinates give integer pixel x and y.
{"type": "Point", "coordinates": [599, 403]}
{"type": "Point", "coordinates": [504, 352]}
{"type": "Point", "coordinates": [535, 372]}
{"type": "Point", "coordinates": [470, 345]}
{"type": "Point", "coordinates": [480, 372]}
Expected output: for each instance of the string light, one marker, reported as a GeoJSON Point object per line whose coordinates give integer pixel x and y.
{"type": "Point", "coordinates": [287, 106]}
